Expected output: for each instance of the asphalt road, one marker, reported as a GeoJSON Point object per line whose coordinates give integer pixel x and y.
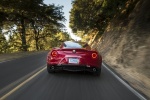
{"type": "Point", "coordinates": [58, 86]}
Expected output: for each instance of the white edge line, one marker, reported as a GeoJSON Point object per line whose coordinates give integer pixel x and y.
{"type": "Point", "coordinates": [6, 61]}
{"type": "Point", "coordinates": [124, 83]}
{"type": "Point", "coordinates": [20, 85]}
{"type": "Point", "coordinates": [18, 58]}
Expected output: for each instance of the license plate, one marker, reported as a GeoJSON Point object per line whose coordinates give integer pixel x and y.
{"type": "Point", "coordinates": [74, 60]}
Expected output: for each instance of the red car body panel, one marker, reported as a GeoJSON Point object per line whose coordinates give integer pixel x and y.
{"type": "Point", "coordinates": [74, 57]}
{"type": "Point", "coordinates": [84, 56]}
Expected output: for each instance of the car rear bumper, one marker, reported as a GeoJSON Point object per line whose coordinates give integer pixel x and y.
{"type": "Point", "coordinates": [73, 67]}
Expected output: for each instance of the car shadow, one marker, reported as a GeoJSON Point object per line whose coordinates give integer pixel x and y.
{"type": "Point", "coordinates": [75, 74]}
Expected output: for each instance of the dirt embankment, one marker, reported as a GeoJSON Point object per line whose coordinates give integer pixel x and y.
{"type": "Point", "coordinates": [125, 46]}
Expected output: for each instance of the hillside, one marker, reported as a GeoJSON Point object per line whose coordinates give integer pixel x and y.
{"type": "Point", "coordinates": [125, 46]}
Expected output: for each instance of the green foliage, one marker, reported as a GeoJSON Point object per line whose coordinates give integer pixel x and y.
{"type": "Point", "coordinates": [14, 43]}
{"type": "Point", "coordinates": [93, 14]}
{"type": "Point", "coordinates": [84, 14]}
{"type": "Point", "coordinates": [29, 23]}
{"type": "Point", "coordinates": [3, 44]}
{"type": "Point", "coordinates": [53, 41]}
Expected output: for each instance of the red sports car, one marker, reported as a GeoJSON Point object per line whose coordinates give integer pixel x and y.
{"type": "Point", "coordinates": [74, 56]}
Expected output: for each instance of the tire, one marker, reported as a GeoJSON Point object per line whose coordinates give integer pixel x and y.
{"type": "Point", "coordinates": [49, 70]}
{"type": "Point", "coordinates": [97, 72]}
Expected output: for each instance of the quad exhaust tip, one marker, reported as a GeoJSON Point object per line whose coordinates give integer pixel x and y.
{"type": "Point", "coordinates": [94, 69]}
{"type": "Point", "coordinates": [52, 67]}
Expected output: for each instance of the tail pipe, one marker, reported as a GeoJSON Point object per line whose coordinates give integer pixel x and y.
{"type": "Point", "coordinates": [94, 69]}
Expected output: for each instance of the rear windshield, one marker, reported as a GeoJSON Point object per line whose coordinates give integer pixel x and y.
{"type": "Point", "coordinates": [70, 44]}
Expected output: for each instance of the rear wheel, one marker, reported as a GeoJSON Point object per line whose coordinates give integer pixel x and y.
{"type": "Point", "coordinates": [50, 70]}
{"type": "Point", "coordinates": [97, 72]}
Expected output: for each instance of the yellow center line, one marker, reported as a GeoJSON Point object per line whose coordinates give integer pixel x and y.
{"type": "Point", "coordinates": [20, 85]}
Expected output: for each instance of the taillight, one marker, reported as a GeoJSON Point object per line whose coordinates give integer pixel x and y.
{"type": "Point", "coordinates": [94, 55]}
{"type": "Point", "coordinates": [54, 53]}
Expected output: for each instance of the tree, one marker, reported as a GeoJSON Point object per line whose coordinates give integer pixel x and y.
{"type": "Point", "coordinates": [85, 14]}
{"type": "Point", "coordinates": [93, 14]}
{"type": "Point", "coordinates": [31, 15]}
{"type": "Point", "coordinates": [52, 16]}
{"type": "Point", "coordinates": [3, 43]}
{"type": "Point", "coordinates": [18, 11]}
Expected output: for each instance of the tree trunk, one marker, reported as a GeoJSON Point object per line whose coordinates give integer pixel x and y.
{"type": "Point", "coordinates": [36, 34]}
{"type": "Point", "coordinates": [36, 41]}
{"type": "Point", "coordinates": [23, 34]}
